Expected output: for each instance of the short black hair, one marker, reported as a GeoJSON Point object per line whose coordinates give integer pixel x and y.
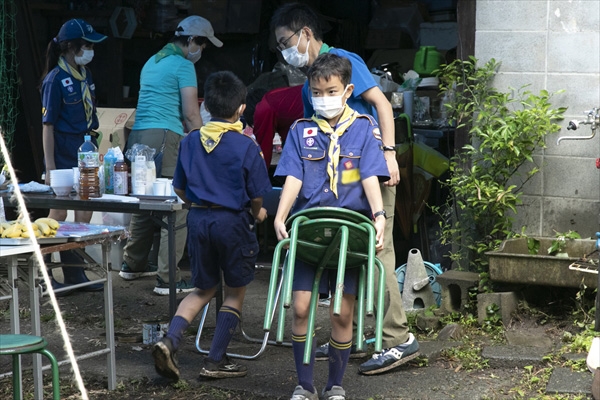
{"type": "Point", "coordinates": [328, 65]}
{"type": "Point", "coordinates": [296, 16]}
{"type": "Point", "coordinates": [252, 99]}
{"type": "Point", "coordinates": [224, 93]}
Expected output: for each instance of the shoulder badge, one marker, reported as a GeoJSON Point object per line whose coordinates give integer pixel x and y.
{"type": "Point", "coordinates": [377, 133]}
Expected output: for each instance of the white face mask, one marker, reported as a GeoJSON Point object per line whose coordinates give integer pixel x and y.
{"type": "Point", "coordinates": [329, 106]}
{"type": "Point", "coordinates": [293, 57]}
{"type": "Point", "coordinates": [195, 56]}
{"type": "Point", "coordinates": [84, 59]}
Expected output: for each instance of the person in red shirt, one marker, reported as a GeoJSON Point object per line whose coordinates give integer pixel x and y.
{"type": "Point", "coordinates": [276, 112]}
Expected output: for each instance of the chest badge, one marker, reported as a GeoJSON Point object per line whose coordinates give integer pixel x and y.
{"type": "Point", "coordinates": [309, 132]}
{"type": "Point", "coordinates": [67, 82]}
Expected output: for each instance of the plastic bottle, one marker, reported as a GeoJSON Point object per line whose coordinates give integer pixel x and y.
{"type": "Point", "coordinates": [89, 164]}
{"type": "Point", "coordinates": [139, 175]}
{"type": "Point", "coordinates": [109, 164]}
{"type": "Point", "coordinates": [277, 143]}
{"type": "Point", "coordinates": [120, 176]}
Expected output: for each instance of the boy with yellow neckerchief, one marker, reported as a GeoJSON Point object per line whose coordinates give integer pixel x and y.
{"type": "Point", "coordinates": [333, 159]}
{"type": "Point", "coordinates": [221, 173]}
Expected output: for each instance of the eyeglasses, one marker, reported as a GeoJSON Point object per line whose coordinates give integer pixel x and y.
{"type": "Point", "coordinates": [283, 44]}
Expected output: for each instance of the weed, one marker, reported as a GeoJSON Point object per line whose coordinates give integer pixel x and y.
{"type": "Point", "coordinates": [466, 356]}
{"type": "Point", "coordinates": [47, 317]}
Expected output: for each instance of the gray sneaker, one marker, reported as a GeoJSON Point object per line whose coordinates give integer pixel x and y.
{"type": "Point", "coordinates": [128, 274]}
{"type": "Point", "coordinates": [335, 393]}
{"type": "Point", "coordinates": [302, 394]}
{"type": "Point", "coordinates": [162, 287]}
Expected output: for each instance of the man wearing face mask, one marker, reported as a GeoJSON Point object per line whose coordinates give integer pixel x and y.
{"type": "Point", "coordinates": [69, 113]}
{"type": "Point", "coordinates": [299, 39]}
{"type": "Point", "coordinates": [168, 95]}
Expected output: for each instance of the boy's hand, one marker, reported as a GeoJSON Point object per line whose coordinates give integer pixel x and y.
{"type": "Point", "coordinates": [393, 169]}
{"type": "Point", "coordinates": [280, 230]}
{"type": "Point", "coordinates": [379, 228]}
{"type": "Point", "coordinates": [262, 215]}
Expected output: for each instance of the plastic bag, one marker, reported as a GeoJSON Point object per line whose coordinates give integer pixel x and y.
{"type": "Point", "coordinates": [143, 168]}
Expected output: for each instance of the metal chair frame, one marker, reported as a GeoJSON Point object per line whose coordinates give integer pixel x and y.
{"type": "Point", "coordinates": [316, 236]}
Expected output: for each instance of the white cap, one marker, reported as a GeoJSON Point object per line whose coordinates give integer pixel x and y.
{"type": "Point", "coordinates": [197, 26]}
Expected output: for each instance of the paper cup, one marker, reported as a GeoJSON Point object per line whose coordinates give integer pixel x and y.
{"type": "Point", "coordinates": [159, 188]}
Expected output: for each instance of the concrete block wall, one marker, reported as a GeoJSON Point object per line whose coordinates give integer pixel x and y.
{"type": "Point", "coordinates": [552, 45]}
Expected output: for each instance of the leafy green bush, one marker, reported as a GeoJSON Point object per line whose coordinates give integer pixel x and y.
{"type": "Point", "coordinates": [487, 174]}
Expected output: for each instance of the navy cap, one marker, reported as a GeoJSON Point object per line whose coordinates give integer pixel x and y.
{"type": "Point", "coordinates": [79, 29]}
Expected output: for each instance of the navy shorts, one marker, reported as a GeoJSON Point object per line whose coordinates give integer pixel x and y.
{"type": "Point", "coordinates": [304, 275]}
{"type": "Point", "coordinates": [220, 239]}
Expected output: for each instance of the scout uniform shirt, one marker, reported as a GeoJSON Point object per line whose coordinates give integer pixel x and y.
{"type": "Point", "coordinates": [305, 158]}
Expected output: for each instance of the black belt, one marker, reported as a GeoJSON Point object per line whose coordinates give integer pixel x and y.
{"type": "Point", "coordinates": [206, 205]}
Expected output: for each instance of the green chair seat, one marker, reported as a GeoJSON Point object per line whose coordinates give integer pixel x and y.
{"type": "Point", "coordinates": [15, 345]}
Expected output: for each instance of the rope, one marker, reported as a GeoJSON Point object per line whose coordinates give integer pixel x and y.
{"type": "Point", "coordinates": [40, 261]}
{"type": "Point", "coordinates": [9, 88]}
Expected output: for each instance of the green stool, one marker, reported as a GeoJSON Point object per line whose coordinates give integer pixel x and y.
{"type": "Point", "coordinates": [15, 345]}
{"type": "Point", "coordinates": [332, 238]}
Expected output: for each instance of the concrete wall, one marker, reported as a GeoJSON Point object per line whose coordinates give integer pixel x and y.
{"type": "Point", "coordinates": [552, 45]}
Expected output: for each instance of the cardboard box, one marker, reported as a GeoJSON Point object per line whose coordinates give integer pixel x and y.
{"type": "Point", "coordinates": [112, 122]}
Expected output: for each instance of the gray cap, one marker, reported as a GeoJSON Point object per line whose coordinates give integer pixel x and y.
{"type": "Point", "coordinates": [197, 26]}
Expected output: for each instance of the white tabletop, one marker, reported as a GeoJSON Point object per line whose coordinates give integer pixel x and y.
{"type": "Point", "coordinates": [6, 251]}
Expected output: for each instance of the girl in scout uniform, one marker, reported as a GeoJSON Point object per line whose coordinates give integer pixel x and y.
{"type": "Point", "coordinates": [69, 113]}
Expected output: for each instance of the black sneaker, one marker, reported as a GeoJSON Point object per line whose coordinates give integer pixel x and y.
{"type": "Point", "coordinates": [322, 353]}
{"type": "Point", "coordinates": [165, 362]}
{"type": "Point", "coordinates": [391, 358]}
{"type": "Point", "coordinates": [222, 369]}
{"type": "Point", "coordinates": [162, 287]}
{"type": "Point", "coordinates": [128, 274]}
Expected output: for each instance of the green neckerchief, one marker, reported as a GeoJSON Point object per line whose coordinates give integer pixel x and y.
{"type": "Point", "coordinates": [333, 153]}
{"type": "Point", "coordinates": [324, 48]}
{"type": "Point", "coordinates": [169, 50]}
{"type": "Point", "coordinates": [80, 75]}
{"type": "Point", "coordinates": [211, 133]}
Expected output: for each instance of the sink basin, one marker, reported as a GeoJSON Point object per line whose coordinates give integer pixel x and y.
{"type": "Point", "coordinates": [512, 263]}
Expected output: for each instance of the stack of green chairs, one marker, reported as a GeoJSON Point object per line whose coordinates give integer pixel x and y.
{"type": "Point", "coordinates": [332, 238]}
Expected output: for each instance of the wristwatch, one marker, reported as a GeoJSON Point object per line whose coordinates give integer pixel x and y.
{"type": "Point", "coordinates": [378, 213]}
{"type": "Point", "coordinates": [389, 148]}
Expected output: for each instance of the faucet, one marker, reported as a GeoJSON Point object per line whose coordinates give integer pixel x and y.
{"type": "Point", "coordinates": [592, 118]}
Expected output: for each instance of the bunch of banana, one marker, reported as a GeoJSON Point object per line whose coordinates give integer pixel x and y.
{"type": "Point", "coordinates": [42, 227]}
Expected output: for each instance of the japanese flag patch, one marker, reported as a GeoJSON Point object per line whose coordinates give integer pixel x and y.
{"type": "Point", "coordinates": [377, 133]}
{"type": "Point", "coordinates": [309, 132]}
{"type": "Point", "coordinates": [67, 82]}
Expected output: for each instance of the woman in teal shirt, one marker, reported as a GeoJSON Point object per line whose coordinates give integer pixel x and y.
{"type": "Point", "coordinates": [167, 109]}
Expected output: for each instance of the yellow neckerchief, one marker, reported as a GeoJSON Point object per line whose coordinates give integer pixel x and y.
{"type": "Point", "coordinates": [88, 104]}
{"type": "Point", "coordinates": [211, 133]}
{"type": "Point", "coordinates": [170, 49]}
{"type": "Point", "coordinates": [333, 153]}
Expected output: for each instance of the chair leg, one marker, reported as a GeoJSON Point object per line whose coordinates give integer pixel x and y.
{"type": "Point", "coordinates": [314, 298]}
{"type": "Point", "coordinates": [360, 314]}
{"type": "Point", "coordinates": [380, 305]}
{"type": "Point", "coordinates": [54, 367]}
{"type": "Point", "coordinates": [16, 377]}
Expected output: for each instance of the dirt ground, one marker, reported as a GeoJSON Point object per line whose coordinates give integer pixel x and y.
{"type": "Point", "coordinates": [272, 376]}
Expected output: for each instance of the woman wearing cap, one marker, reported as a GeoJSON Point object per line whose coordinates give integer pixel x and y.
{"type": "Point", "coordinates": [69, 113]}
{"type": "Point", "coordinates": [168, 95]}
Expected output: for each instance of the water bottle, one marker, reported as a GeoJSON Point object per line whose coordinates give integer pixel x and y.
{"type": "Point", "coordinates": [109, 164]}
{"type": "Point", "coordinates": [121, 184]}
{"type": "Point", "coordinates": [89, 164]}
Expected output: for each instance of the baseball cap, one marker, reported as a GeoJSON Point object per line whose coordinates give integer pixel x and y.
{"type": "Point", "coordinates": [79, 29]}
{"type": "Point", "coordinates": [197, 26]}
